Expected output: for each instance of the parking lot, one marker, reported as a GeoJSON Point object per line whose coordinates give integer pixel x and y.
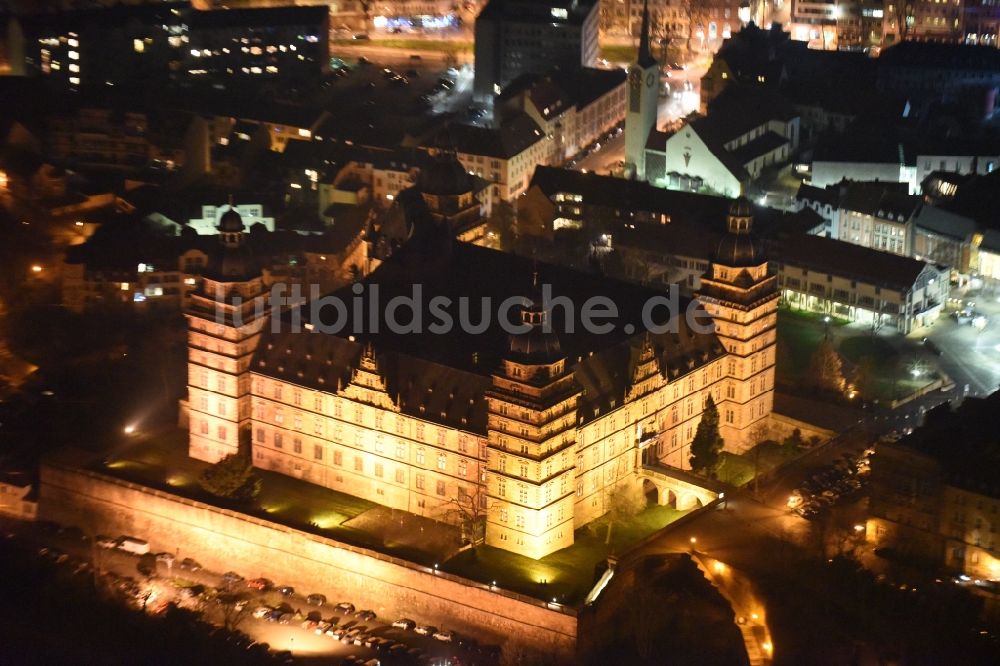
{"type": "Point", "coordinates": [267, 617]}
{"type": "Point", "coordinates": [835, 483]}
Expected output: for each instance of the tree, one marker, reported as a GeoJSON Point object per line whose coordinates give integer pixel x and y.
{"type": "Point", "coordinates": [232, 478]}
{"type": "Point", "coordinates": [794, 441]}
{"type": "Point", "coordinates": [469, 513]}
{"type": "Point", "coordinates": [232, 609]}
{"type": "Point", "coordinates": [707, 443]}
{"type": "Point", "coordinates": [826, 369]}
{"type": "Point", "coordinates": [624, 501]}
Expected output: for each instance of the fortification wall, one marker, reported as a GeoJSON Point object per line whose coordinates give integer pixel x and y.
{"type": "Point", "coordinates": [225, 540]}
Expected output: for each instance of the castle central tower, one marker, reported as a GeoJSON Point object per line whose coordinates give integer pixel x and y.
{"type": "Point", "coordinates": [640, 117]}
{"type": "Point", "coordinates": [531, 430]}
{"type": "Point", "coordinates": [742, 298]}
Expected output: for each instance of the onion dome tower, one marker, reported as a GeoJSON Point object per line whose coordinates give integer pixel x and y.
{"type": "Point", "coordinates": [741, 295]}
{"type": "Point", "coordinates": [531, 428]}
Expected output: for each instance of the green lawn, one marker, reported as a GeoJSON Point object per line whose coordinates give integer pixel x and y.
{"type": "Point", "coordinates": [881, 354]}
{"type": "Point", "coordinates": [798, 337]}
{"type": "Point", "coordinates": [161, 461]}
{"type": "Point", "coordinates": [441, 45]}
{"type": "Point", "coordinates": [569, 573]}
{"type": "Point", "coordinates": [735, 469]}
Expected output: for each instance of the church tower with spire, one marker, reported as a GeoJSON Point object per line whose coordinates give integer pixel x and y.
{"type": "Point", "coordinates": [225, 318]}
{"type": "Point", "coordinates": [530, 481]}
{"type": "Point", "coordinates": [640, 116]}
{"type": "Point", "coordinates": [741, 295]}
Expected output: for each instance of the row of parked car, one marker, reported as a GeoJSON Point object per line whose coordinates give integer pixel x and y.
{"type": "Point", "coordinates": [830, 485]}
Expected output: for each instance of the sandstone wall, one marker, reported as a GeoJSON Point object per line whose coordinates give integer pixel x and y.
{"type": "Point", "coordinates": [222, 540]}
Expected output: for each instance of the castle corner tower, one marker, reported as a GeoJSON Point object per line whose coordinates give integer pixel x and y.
{"type": "Point", "coordinates": [742, 298]}
{"type": "Point", "coordinates": [225, 318]}
{"type": "Point", "coordinates": [640, 116]}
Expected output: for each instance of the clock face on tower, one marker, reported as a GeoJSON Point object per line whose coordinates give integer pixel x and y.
{"type": "Point", "coordinates": [650, 79]}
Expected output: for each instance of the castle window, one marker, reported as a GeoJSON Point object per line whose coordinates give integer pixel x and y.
{"type": "Point", "coordinates": [419, 481]}
{"type": "Point", "coordinates": [318, 403]}
{"type": "Point", "coordinates": [297, 397]}
{"type": "Point", "coordinates": [277, 391]}
{"type": "Point", "coordinates": [297, 445]}
{"type": "Point", "coordinates": [260, 435]}
{"type": "Point", "coordinates": [400, 451]}
{"type": "Point", "coordinates": [204, 427]}
{"type": "Point", "coordinates": [318, 427]}
{"type": "Point", "coordinates": [400, 475]}
{"type": "Point", "coordinates": [519, 520]}
{"type": "Point", "coordinates": [502, 487]}
{"type": "Point", "coordinates": [441, 488]}
{"type": "Point", "coordinates": [463, 467]}
{"type": "Point", "coordinates": [420, 455]}
{"type": "Point", "coordinates": [359, 464]}
{"type": "Point", "coordinates": [222, 432]}
{"type": "Point", "coordinates": [420, 431]}
{"type": "Point", "coordinates": [317, 452]}
{"type": "Point", "coordinates": [338, 458]}
{"type": "Point", "coordinates": [522, 493]}
{"type": "Point", "coordinates": [338, 409]}
{"type": "Point", "coordinates": [379, 419]}
{"type": "Point", "coordinates": [379, 470]}
{"type": "Point", "coordinates": [442, 461]}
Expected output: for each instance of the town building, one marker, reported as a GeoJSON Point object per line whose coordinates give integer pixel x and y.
{"type": "Point", "coordinates": [515, 37]}
{"type": "Point", "coordinates": [935, 495]}
{"type": "Point", "coordinates": [941, 72]}
{"type": "Point", "coordinates": [877, 215]}
{"type": "Point", "coordinates": [533, 429]}
{"type": "Point", "coordinates": [18, 497]}
{"type": "Point", "coordinates": [857, 283]}
{"type": "Point", "coordinates": [574, 108]}
{"type": "Point", "coordinates": [153, 42]}
{"type": "Point", "coordinates": [505, 156]}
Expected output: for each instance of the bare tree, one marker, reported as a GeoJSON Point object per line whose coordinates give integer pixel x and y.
{"type": "Point", "coordinates": [469, 513]}
{"type": "Point", "coordinates": [232, 610]}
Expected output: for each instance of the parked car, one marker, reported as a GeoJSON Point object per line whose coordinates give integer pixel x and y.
{"type": "Point", "coordinates": [366, 615]}
{"type": "Point", "coordinates": [316, 600]}
{"type": "Point", "coordinates": [231, 578]}
{"type": "Point", "coordinates": [425, 630]}
{"type": "Point", "coordinates": [104, 541]}
{"type": "Point", "coordinates": [262, 584]}
{"type": "Point", "coordinates": [262, 612]}
{"type": "Point", "coordinates": [133, 545]}
{"type": "Point", "coordinates": [188, 564]}
{"type": "Point", "coordinates": [404, 623]}
{"type": "Point", "coordinates": [286, 590]}
{"type": "Point", "coordinates": [444, 636]}
{"type": "Point", "coordinates": [165, 558]}
{"type": "Point", "coordinates": [344, 607]}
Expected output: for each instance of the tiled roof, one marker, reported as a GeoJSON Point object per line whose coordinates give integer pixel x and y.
{"type": "Point", "coordinates": [446, 374]}
{"type": "Point", "coordinates": [827, 255]}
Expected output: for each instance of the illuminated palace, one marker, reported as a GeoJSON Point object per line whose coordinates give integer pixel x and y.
{"type": "Point", "coordinates": [534, 428]}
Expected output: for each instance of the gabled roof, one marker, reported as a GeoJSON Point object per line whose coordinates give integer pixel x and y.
{"type": "Point", "coordinates": [828, 255]}
{"type": "Point", "coordinates": [944, 223]}
{"type": "Point", "coordinates": [940, 55]}
{"type": "Point", "coordinates": [513, 137]}
{"type": "Point", "coordinates": [886, 200]}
